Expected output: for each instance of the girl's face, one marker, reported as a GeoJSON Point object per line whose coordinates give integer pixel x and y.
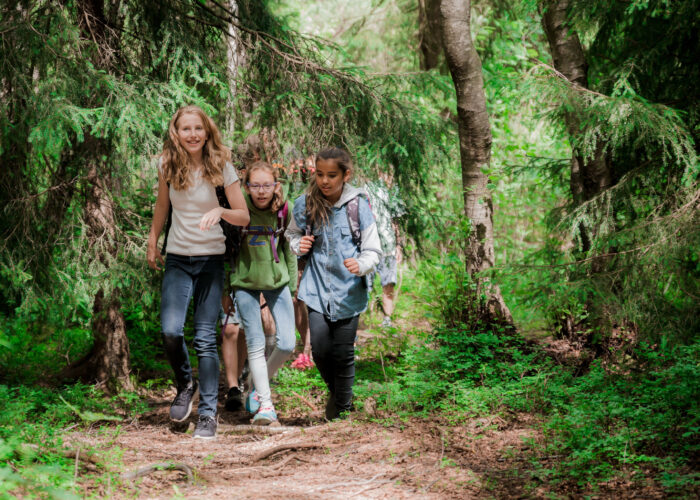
{"type": "Point", "coordinates": [330, 179]}
{"type": "Point", "coordinates": [261, 187]}
{"type": "Point", "coordinates": [191, 134]}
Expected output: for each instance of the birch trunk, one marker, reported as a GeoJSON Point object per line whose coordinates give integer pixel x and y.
{"type": "Point", "coordinates": [235, 57]}
{"type": "Point", "coordinates": [475, 147]}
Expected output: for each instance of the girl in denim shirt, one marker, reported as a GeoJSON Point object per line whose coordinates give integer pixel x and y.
{"type": "Point", "coordinates": [333, 285]}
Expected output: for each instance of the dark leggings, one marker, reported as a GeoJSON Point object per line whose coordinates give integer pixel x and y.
{"type": "Point", "coordinates": [333, 347]}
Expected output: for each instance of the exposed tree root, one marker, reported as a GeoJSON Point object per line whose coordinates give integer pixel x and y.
{"type": "Point", "coordinates": [292, 446]}
{"type": "Point", "coordinates": [255, 429]}
{"type": "Point", "coordinates": [306, 401]}
{"type": "Point", "coordinates": [144, 471]}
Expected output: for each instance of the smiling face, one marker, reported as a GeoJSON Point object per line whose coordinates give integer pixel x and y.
{"type": "Point", "coordinates": [191, 134]}
{"type": "Point", "coordinates": [330, 179]}
{"type": "Point", "coordinates": [261, 187]}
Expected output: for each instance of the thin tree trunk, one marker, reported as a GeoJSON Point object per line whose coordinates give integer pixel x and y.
{"type": "Point", "coordinates": [589, 176]}
{"type": "Point", "coordinates": [474, 144]}
{"type": "Point", "coordinates": [235, 56]}
{"type": "Point", "coordinates": [430, 33]}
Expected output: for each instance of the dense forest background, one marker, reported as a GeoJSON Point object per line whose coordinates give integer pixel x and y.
{"type": "Point", "coordinates": [546, 151]}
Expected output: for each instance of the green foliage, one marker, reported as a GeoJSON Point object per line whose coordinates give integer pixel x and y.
{"type": "Point", "coordinates": [64, 93]}
{"type": "Point", "coordinates": [293, 386]}
{"type": "Point", "coordinates": [641, 414]}
{"type": "Point", "coordinates": [35, 423]}
{"type": "Point", "coordinates": [606, 421]}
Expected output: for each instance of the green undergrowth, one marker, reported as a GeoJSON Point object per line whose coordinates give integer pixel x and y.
{"type": "Point", "coordinates": [35, 423]}
{"type": "Point", "coordinates": [633, 419]}
{"type": "Point", "coordinates": [641, 417]}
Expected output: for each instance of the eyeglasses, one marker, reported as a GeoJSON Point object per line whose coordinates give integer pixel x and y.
{"type": "Point", "coordinates": [261, 187]}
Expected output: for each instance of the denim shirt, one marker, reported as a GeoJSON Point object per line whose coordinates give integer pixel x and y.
{"type": "Point", "coordinates": [326, 285]}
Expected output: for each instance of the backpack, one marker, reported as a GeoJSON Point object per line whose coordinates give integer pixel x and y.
{"type": "Point", "coordinates": [273, 234]}
{"type": "Point", "coordinates": [231, 233]}
{"type": "Point", "coordinates": [352, 209]}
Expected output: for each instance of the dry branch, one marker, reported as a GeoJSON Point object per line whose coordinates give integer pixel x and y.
{"type": "Point", "coordinates": [254, 429]}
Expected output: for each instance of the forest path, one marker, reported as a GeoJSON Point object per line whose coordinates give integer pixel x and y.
{"type": "Point", "coordinates": [355, 458]}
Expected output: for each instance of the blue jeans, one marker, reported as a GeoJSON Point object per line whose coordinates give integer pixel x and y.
{"type": "Point", "coordinates": [202, 278]}
{"type": "Point", "coordinates": [282, 309]}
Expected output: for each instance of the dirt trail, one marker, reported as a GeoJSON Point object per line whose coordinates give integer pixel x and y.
{"type": "Point", "coordinates": [355, 458]}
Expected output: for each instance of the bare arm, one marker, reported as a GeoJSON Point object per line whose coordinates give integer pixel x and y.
{"type": "Point", "coordinates": [160, 214]}
{"type": "Point", "coordinates": [237, 215]}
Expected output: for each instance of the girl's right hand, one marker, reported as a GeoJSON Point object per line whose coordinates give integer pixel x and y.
{"type": "Point", "coordinates": [305, 244]}
{"type": "Point", "coordinates": [153, 256]}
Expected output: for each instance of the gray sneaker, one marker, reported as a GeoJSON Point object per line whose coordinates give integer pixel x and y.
{"type": "Point", "coordinates": [206, 427]}
{"type": "Point", "coordinates": [182, 404]}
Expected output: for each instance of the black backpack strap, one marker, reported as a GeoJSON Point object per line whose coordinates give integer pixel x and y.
{"type": "Point", "coordinates": [168, 223]}
{"type": "Point", "coordinates": [232, 234]}
{"type": "Point", "coordinates": [221, 196]}
{"type": "Point", "coordinates": [353, 211]}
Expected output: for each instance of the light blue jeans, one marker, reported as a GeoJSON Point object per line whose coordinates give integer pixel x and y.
{"type": "Point", "coordinates": [280, 303]}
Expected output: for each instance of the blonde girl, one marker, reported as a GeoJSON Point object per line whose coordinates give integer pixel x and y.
{"type": "Point", "coordinates": [194, 161]}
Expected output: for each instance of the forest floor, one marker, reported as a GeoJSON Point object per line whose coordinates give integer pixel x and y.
{"type": "Point", "coordinates": [353, 458]}
{"type": "Point", "coordinates": [308, 457]}
{"type": "Point", "coordinates": [317, 459]}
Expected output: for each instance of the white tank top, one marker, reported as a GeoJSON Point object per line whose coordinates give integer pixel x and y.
{"type": "Point", "coordinates": [189, 205]}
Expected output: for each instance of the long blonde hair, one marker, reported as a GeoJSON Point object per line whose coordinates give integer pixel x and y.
{"type": "Point", "coordinates": [318, 208]}
{"type": "Point", "coordinates": [176, 161]}
{"type": "Point", "coordinates": [278, 196]}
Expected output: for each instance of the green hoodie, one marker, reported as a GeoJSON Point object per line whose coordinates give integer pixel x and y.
{"type": "Point", "coordinates": [256, 268]}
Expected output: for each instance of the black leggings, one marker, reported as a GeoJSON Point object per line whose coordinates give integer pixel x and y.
{"type": "Point", "coordinates": [333, 347]}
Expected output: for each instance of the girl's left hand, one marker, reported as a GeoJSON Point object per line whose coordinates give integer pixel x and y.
{"type": "Point", "coordinates": [352, 266]}
{"type": "Point", "coordinates": [210, 218]}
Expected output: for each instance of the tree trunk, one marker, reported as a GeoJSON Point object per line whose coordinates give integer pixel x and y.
{"type": "Point", "coordinates": [235, 57]}
{"type": "Point", "coordinates": [589, 176]}
{"type": "Point", "coordinates": [475, 147]}
{"type": "Point", "coordinates": [430, 33]}
{"type": "Point", "coordinates": [107, 363]}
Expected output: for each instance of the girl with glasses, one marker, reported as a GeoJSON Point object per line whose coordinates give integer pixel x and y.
{"type": "Point", "coordinates": [265, 265]}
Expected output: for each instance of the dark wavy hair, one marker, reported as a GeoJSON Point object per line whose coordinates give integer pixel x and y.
{"type": "Point", "coordinates": [317, 207]}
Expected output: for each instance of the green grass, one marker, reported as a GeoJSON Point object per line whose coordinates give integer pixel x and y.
{"type": "Point", "coordinates": [35, 423]}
